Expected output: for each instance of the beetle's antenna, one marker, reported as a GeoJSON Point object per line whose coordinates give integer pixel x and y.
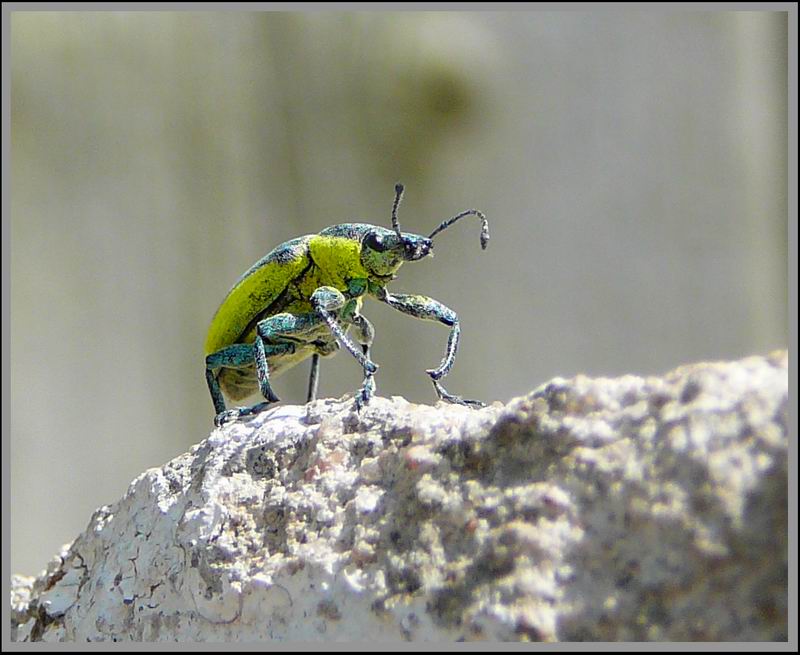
{"type": "Point", "coordinates": [468, 212]}
{"type": "Point", "coordinates": [398, 194]}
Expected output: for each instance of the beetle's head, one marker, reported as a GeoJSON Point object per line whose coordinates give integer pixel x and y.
{"type": "Point", "coordinates": [383, 250]}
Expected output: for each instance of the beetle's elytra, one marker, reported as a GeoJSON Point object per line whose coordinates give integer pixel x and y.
{"type": "Point", "coordinates": [301, 300]}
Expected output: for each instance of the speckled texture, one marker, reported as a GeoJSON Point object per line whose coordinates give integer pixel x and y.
{"type": "Point", "coordinates": [591, 509]}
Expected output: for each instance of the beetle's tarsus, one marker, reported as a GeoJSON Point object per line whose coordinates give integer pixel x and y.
{"type": "Point", "coordinates": [235, 413]}
{"type": "Point", "coordinates": [228, 416]}
{"type": "Point", "coordinates": [366, 393]}
{"type": "Point", "coordinates": [455, 400]}
{"type": "Point", "coordinates": [361, 401]}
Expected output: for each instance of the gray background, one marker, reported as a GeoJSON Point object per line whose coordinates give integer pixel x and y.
{"type": "Point", "coordinates": [633, 166]}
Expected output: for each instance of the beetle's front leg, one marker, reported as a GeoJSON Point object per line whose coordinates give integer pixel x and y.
{"type": "Point", "coordinates": [326, 301]}
{"type": "Point", "coordinates": [432, 310]}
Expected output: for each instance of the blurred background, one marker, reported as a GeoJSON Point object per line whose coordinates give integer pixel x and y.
{"type": "Point", "coordinates": [632, 165]}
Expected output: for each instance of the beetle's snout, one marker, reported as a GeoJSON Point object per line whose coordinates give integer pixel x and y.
{"type": "Point", "coordinates": [417, 249]}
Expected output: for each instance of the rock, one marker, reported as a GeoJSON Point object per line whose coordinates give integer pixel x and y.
{"type": "Point", "coordinates": [591, 509]}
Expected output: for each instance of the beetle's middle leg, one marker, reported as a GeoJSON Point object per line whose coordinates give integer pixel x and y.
{"type": "Point", "coordinates": [365, 334]}
{"type": "Point", "coordinates": [313, 379]}
{"type": "Point", "coordinates": [327, 301]}
{"type": "Point", "coordinates": [432, 310]}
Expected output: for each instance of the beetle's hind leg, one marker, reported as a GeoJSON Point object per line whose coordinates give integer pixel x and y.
{"type": "Point", "coordinates": [274, 336]}
{"type": "Point", "coordinates": [239, 355]}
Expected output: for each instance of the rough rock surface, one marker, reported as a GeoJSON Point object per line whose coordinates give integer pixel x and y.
{"type": "Point", "coordinates": [591, 509]}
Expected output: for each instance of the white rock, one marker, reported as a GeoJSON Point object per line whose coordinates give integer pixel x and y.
{"type": "Point", "coordinates": [590, 509]}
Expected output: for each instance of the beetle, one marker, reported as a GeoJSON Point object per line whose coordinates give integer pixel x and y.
{"type": "Point", "coordinates": [300, 300]}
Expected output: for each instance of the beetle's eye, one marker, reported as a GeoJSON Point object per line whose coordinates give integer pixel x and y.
{"type": "Point", "coordinates": [373, 241]}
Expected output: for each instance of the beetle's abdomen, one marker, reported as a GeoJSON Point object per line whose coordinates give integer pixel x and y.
{"type": "Point", "coordinates": [238, 383]}
{"type": "Point", "coordinates": [256, 293]}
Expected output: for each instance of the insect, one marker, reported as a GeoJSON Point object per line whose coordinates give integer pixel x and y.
{"type": "Point", "coordinates": [300, 301]}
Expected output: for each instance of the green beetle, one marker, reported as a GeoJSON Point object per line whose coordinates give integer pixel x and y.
{"type": "Point", "coordinates": [301, 299]}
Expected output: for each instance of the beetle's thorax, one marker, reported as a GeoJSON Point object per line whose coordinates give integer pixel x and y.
{"type": "Point", "coordinates": [336, 259]}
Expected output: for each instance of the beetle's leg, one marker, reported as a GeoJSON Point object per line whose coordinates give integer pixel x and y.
{"type": "Point", "coordinates": [432, 310]}
{"type": "Point", "coordinates": [278, 331]}
{"type": "Point", "coordinates": [326, 301]}
{"type": "Point", "coordinates": [239, 355]}
{"type": "Point", "coordinates": [237, 412]}
{"type": "Point", "coordinates": [313, 380]}
{"type": "Point", "coordinates": [365, 334]}
{"type": "Point", "coordinates": [273, 337]}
